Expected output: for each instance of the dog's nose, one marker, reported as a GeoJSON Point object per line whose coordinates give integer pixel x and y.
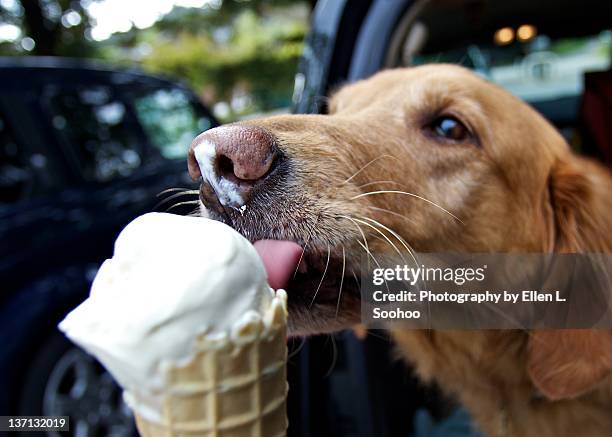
{"type": "Point", "coordinates": [232, 159]}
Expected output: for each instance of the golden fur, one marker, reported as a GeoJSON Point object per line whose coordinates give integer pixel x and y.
{"type": "Point", "coordinates": [515, 186]}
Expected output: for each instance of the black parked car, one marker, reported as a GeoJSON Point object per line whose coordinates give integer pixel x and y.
{"type": "Point", "coordinates": [83, 150]}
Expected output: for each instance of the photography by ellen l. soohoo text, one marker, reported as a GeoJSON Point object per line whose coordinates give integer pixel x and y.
{"type": "Point", "coordinates": [488, 291]}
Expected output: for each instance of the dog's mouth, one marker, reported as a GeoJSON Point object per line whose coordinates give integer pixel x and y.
{"type": "Point", "coordinates": [312, 271]}
{"type": "Point", "coordinates": [282, 260]}
{"type": "Point", "coordinates": [322, 280]}
{"type": "Point", "coordinates": [312, 276]}
{"type": "Point", "coordinates": [323, 290]}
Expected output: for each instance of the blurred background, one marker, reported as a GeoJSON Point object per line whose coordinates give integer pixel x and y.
{"type": "Point", "coordinates": [99, 100]}
{"type": "Point", "coordinates": [240, 57]}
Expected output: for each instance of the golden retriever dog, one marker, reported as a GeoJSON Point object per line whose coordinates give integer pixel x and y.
{"type": "Point", "coordinates": [436, 159]}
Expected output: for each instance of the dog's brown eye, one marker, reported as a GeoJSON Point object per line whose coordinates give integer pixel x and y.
{"type": "Point", "coordinates": [450, 128]}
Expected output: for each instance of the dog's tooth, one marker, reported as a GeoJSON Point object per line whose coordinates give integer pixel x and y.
{"type": "Point", "coordinates": [302, 266]}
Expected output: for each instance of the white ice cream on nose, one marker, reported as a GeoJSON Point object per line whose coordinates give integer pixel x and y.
{"type": "Point", "coordinates": [205, 154]}
{"type": "Point", "coordinates": [171, 279]}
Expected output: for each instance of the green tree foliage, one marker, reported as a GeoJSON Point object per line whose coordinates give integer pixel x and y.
{"type": "Point", "coordinates": [57, 27]}
{"type": "Point", "coordinates": [254, 54]}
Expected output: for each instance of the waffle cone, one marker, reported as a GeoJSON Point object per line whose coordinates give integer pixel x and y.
{"type": "Point", "coordinates": [233, 386]}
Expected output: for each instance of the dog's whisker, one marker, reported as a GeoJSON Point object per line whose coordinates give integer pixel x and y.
{"type": "Point", "coordinates": [172, 190]}
{"type": "Point", "coordinates": [334, 356]}
{"type": "Point", "coordinates": [411, 195]}
{"type": "Point", "coordinates": [310, 234]}
{"type": "Point", "coordinates": [403, 242]}
{"type": "Point", "coordinates": [356, 280]}
{"type": "Point", "coordinates": [366, 166]}
{"type": "Point", "coordinates": [365, 240]}
{"type": "Point", "coordinates": [368, 253]}
{"type": "Point", "coordinates": [374, 259]}
{"type": "Point", "coordinates": [379, 238]}
{"type": "Point", "coordinates": [397, 236]}
{"type": "Point", "coordinates": [322, 277]}
{"type": "Point", "coordinates": [341, 281]}
{"type": "Point", "coordinates": [408, 248]}
{"type": "Point", "coordinates": [191, 202]}
{"type": "Point", "coordinates": [174, 196]}
{"type": "Point", "coordinates": [297, 350]}
{"type": "Point", "coordinates": [195, 212]}
{"type": "Point", "coordinates": [379, 182]}
{"type": "Point", "coordinates": [399, 252]}
{"type": "Point", "coordinates": [388, 211]}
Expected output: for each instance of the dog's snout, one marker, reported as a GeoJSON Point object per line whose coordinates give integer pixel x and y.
{"type": "Point", "coordinates": [231, 159]}
{"type": "Point", "coordinates": [245, 152]}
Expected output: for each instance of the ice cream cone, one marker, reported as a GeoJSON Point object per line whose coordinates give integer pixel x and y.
{"type": "Point", "coordinates": [183, 317]}
{"type": "Point", "coordinates": [232, 385]}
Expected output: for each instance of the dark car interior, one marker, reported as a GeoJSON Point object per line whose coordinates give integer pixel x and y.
{"type": "Point", "coordinates": [555, 61]}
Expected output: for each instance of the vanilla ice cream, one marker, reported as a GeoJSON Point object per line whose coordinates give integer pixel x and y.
{"type": "Point", "coordinates": [171, 279]}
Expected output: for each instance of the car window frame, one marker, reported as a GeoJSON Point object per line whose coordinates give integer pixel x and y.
{"type": "Point", "coordinates": [64, 143]}
{"type": "Point", "coordinates": [152, 152]}
{"type": "Point", "coordinates": [24, 121]}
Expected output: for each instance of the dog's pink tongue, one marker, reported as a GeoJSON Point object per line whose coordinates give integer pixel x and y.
{"type": "Point", "coordinates": [280, 258]}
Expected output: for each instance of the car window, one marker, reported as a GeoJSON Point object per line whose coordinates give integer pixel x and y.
{"type": "Point", "coordinates": [14, 171]}
{"type": "Point", "coordinates": [515, 45]}
{"type": "Point", "coordinates": [92, 124]}
{"type": "Point", "coordinates": [540, 69]}
{"type": "Point", "coordinates": [170, 120]}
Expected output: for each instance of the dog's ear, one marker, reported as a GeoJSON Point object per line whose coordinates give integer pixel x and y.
{"type": "Point", "coordinates": [571, 199]}
{"type": "Point", "coordinates": [563, 364]}
{"type": "Point", "coordinates": [567, 363]}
